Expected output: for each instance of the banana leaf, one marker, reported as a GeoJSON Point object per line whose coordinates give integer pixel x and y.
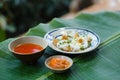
{"type": "Point", "coordinates": [100, 64]}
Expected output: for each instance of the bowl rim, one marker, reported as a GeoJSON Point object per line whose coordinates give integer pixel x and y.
{"type": "Point", "coordinates": [68, 59]}
{"type": "Point", "coordinates": [28, 42]}
{"type": "Point", "coordinates": [81, 52]}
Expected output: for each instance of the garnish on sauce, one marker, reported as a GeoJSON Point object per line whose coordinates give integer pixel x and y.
{"type": "Point", "coordinates": [27, 48]}
{"type": "Point", "coordinates": [58, 63]}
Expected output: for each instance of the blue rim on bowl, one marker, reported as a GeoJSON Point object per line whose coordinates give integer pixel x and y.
{"type": "Point", "coordinates": [49, 36]}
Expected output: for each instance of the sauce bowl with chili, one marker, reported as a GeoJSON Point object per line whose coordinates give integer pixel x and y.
{"type": "Point", "coordinates": [58, 63]}
{"type": "Point", "coordinates": [28, 48]}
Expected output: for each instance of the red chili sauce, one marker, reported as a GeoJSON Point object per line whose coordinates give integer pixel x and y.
{"type": "Point", "coordinates": [28, 48]}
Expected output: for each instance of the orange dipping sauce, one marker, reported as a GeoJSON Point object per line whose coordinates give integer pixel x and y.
{"type": "Point", "coordinates": [28, 48]}
{"type": "Point", "coordinates": [58, 63]}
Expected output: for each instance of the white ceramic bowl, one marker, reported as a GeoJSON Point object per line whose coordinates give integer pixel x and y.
{"type": "Point", "coordinates": [32, 57]}
{"type": "Point", "coordinates": [61, 57]}
{"type": "Point", "coordinates": [59, 31]}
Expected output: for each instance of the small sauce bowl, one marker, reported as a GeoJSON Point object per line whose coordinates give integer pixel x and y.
{"type": "Point", "coordinates": [28, 57]}
{"type": "Point", "coordinates": [58, 63]}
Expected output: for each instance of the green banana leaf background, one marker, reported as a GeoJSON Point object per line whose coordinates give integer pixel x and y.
{"type": "Point", "coordinates": [100, 64]}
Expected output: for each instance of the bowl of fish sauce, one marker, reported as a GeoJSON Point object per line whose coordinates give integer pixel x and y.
{"type": "Point", "coordinates": [28, 48]}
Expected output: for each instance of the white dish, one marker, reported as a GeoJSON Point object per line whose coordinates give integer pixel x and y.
{"type": "Point", "coordinates": [59, 31]}
{"type": "Point", "coordinates": [60, 57]}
